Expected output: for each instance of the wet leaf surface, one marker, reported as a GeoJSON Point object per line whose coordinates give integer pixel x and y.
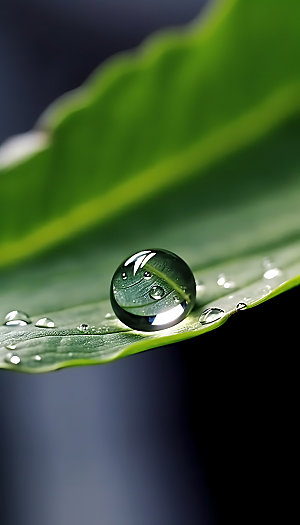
{"type": "Point", "coordinates": [166, 148]}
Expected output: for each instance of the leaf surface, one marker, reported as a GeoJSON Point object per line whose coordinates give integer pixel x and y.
{"type": "Point", "coordinates": [189, 144]}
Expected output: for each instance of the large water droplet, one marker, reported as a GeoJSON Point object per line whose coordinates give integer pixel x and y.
{"type": "Point", "coordinates": [146, 301]}
{"type": "Point", "coordinates": [16, 318]}
{"type": "Point", "coordinates": [45, 322]}
{"type": "Point", "coordinates": [13, 359]}
{"type": "Point", "coordinates": [156, 292]}
{"type": "Point", "coordinates": [210, 315]}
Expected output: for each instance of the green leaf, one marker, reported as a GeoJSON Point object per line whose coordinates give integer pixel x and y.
{"type": "Point", "coordinates": [189, 144]}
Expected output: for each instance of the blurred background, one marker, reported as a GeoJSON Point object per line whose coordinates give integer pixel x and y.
{"type": "Point", "coordinates": [202, 432]}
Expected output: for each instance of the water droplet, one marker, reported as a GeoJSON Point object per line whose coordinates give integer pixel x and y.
{"type": "Point", "coordinates": [70, 354]}
{"type": "Point", "coordinates": [157, 292]}
{"type": "Point", "coordinates": [222, 281]}
{"type": "Point", "coordinates": [108, 315]}
{"type": "Point", "coordinates": [144, 307]}
{"type": "Point", "coordinates": [271, 273]}
{"type": "Point", "coordinates": [241, 306]}
{"type": "Point", "coordinates": [13, 359]}
{"type": "Point", "coordinates": [211, 315]}
{"type": "Point", "coordinates": [83, 327]}
{"type": "Point", "coordinates": [37, 358]}
{"type": "Point", "coordinates": [124, 276]}
{"type": "Point", "coordinates": [11, 346]}
{"type": "Point", "coordinates": [45, 322]}
{"type": "Point", "coordinates": [16, 318]}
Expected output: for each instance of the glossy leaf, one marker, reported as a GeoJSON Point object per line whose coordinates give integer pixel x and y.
{"type": "Point", "coordinates": [191, 145]}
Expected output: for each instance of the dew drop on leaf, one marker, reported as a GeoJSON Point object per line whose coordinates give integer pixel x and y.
{"type": "Point", "coordinates": [210, 315]}
{"type": "Point", "coordinates": [271, 273]}
{"type": "Point", "coordinates": [154, 279]}
{"type": "Point", "coordinates": [224, 282]}
{"type": "Point", "coordinates": [241, 306]}
{"type": "Point", "coordinates": [45, 322]}
{"type": "Point", "coordinates": [13, 359]}
{"type": "Point", "coordinates": [83, 327]}
{"type": "Point", "coordinates": [11, 346]}
{"type": "Point", "coordinates": [17, 318]}
{"type": "Point", "coordinates": [157, 292]}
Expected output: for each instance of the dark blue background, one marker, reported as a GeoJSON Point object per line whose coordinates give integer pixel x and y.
{"type": "Point", "coordinates": [196, 433]}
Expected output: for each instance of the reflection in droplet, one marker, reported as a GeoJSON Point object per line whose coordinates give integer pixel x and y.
{"type": "Point", "coordinates": [13, 359]}
{"type": "Point", "coordinates": [16, 318]}
{"type": "Point", "coordinates": [241, 306]}
{"type": "Point", "coordinates": [45, 322]}
{"type": "Point", "coordinates": [83, 327]}
{"type": "Point", "coordinates": [224, 282]}
{"type": "Point", "coordinates": [156, 292]}
{"type": "Point", "coordinates": [211, 315]}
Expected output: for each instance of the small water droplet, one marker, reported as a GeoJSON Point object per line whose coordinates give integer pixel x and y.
{"type": "Point", "coordinates": [124, 276]}
{"type": "Point", "coordinates": [83, 327]}
{"type": "Point", "coordinates": [11, 346]}
{"type": "Point", "coordinates": [271, 273]}
{"type": "Point", "coordinates": [241, 306]}
{"type": "Point", "coordinates": [13, 359]}
{"type": "Point", "coordinates": [222, 281]}
{"type": "Point", "coordinates": [176, 299]}
{"type": "Point", "coordinates": [16, 318]}
{"type": "Point", "coordinates": [45, 322]}
{"type": "Point", "coordinates": [210, 315]}
{"type": "Point", "coordinates": [70, 354]}
{"type": "Point", "coordinates": [147, 275]}
{"type": "Point", "coordinates": [37, 358]}
{"type": "Point", "coordinates": [156, 292]}
{"type": "Point", "coordinates": [108, 315]}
